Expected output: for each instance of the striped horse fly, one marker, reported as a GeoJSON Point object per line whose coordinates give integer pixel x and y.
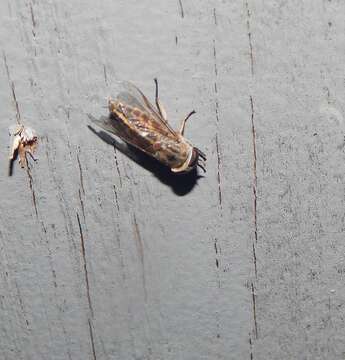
{"type": "Point", "coordinates": [136, 121]}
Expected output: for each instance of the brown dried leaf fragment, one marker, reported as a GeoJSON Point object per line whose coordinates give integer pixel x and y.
{"type": "Point", "coordinates": [24, 140]}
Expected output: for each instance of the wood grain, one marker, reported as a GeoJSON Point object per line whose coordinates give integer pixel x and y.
{"type": "Point", "coordinates": [104, 254]}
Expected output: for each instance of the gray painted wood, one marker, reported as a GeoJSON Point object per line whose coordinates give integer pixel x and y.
{"type": "Point", "coordinates": [103, 257]}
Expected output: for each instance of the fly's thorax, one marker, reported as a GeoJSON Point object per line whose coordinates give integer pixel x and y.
{"type": "Point", "coordinates": [116, 108]}
{"type": "Point", "coordinates": [131, 113]}
{"type": "Point", "coordinates": [112, 105]}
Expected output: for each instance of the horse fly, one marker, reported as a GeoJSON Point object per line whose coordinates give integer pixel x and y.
{"type": "Point", "coordinates": [136, 121]}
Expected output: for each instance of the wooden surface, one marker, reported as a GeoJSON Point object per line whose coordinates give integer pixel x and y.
{"type": "Point", "coordinates": [103, 257]}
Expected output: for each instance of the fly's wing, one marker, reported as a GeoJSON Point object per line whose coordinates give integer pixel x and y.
{"type": "Point", "coordinates": [130, 95]}
{"type": "Point", "coordinates": [135, 120]}
{"type": "Point", "coordinates": [105, 123]}
{"type": "Point", "coordinates": [122, 130]}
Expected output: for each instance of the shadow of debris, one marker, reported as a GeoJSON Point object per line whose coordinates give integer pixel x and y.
{"type": "Point", "coordinates": [181, 184]}
{"type": "Point", "coordinates": [10, 167]}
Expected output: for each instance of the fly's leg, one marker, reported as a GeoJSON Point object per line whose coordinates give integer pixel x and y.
{"type": "Point", "coordinates": [159, 105]}
{"type": "Point", "coordinates": [183, 125]}
{"type": "Point", "coordinates": [163, 113]}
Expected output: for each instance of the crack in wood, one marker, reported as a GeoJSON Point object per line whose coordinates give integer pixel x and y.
{"type": "Point", "coordinates": [217, 118]}
{"type": "Point", "coordinates": [21, 303]}
{"type": "Point", "coordinates": [219, 165]}
{"type": "Point", "coordinates": [215, 17]}
{"type": "Point", "coordinates": [250, 40]}
{"type": "Point", "coordinates": [254, 260]}
{"type": "Point", "coordinates": [251, 348]}
{"type": "Point", "coordinates": [255, 179]}
{"type": "Point", "coordinates": [18, 117]}
{"type": "Point", "coordinates": [33, 20]}
{"type": "Point", "coordinates": [116, 199]}
{"type": "Point", "coordinates": [254, 312]}
{"type": "Point", "coordinates": [117, 166]}
{"type": "Point", "coordinates": [6, 67]}
{"type": "Point", "coordinates": [32, 16]}
{"type": "Point", "coordinates": [105, 75]}
{"type": "Point", "coordinates": [80, 172]}
{"type": "Point", "coordinates": [218, 173]}
{"type": "Point", "coordinates": [181, 8]}
{"type": "Point", "coordinates": [218, 260]}
{"type": "Point", "coordinates": [92, 340]}
{"type": "Point", "coordinates": [81, 203]}
{"type": "Point", "coordinates": [254, 186]}
{"type": "Point", "coordinates": [140, 247]}
{"type": "Point", "coordinates": [86, 274]}
{"type": "Point", "coordinates": [32, 189]}
{"type": "Point", "coordinates": [215, 63]}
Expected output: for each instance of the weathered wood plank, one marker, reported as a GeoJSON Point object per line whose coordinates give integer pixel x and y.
{"type": "Point", "coordinates": [297, 93]}
{"type": "Point", "coordinates": [103, 257]}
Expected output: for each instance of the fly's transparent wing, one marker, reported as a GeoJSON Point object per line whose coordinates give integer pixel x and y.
{"type": "Point", "coordinates": [106, 124]}
{"type": "Point", "coordinates": [124, 132]}
{"type": "Point", "coordinates": [129, 94]}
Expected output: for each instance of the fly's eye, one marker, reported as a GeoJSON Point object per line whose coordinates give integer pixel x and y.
{"type": "Point", "coordinates": [194, 159]}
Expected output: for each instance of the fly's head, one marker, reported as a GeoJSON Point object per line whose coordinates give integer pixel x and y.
{"type": "Point", "coordinates": [198, 158]}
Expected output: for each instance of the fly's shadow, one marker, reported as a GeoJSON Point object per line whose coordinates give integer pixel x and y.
{"type": "Point", "coordinates": [181, 184]}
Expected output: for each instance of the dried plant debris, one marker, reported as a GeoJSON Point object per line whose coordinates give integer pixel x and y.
{"type": "Point", "coordinates": [23, 141]}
